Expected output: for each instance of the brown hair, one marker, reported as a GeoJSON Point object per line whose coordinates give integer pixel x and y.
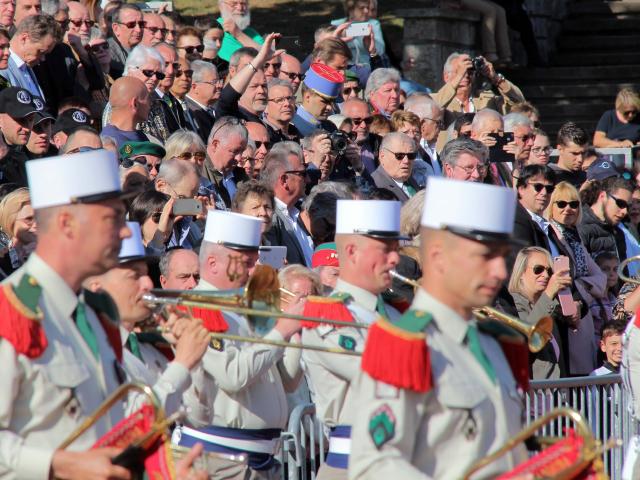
{"type": "Point", "coordinates": [328, 48]}
{"type": "Point", "coordinates": [380, 125]}
{"type": "Point", "coordinates": [250, 187]}
{"type": "Point", "coordinates": [400, 117]}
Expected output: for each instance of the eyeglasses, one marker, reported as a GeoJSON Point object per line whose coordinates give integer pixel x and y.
{"type": "Point", "coordinates": [401, 155]}
{"type": "Point", "coordinates": [194, 48]}
{"type": "Point", "coordinates": [292, 76]}
{"type": "Point", "coordinates": [357, 121]}
{"type": "Point", "coordinates": [541, 150]}
{"type": "Point", "coordinates": [100, 46]}
{"type": "Point", "coordinates": [439, 123]}
{"type": "Point", "coordinates": [78, 23]}
{"type": "Point", "coordinates": [151, 73]}
{"type": "Point", "coordinates": [539, 269]}
{"type": "Point", "coordinates": [275, 66]}
{"type": "Point", "coordinates": [562, 204]}
{"type": "Point", "coordinates": [186, 73]}
{"type": "Point", "coordinates": [539, 186]}
{"type": "Point", "coordinates": [198, 156]}
{"type": "Point", "coordinates": [348, 90]}
{"type": "Point", "coordinates": [281, 100]}
{"type": "Point", "coordinates": [130, 25]}
{"type": "Point", "coordinates": [259, 144]}
{"type": "Point", "coordinates": [155, 30]}
{"type": "Point", "coordinates": [621, 204]}
{"type": "Point", "coordinates": [481, 168]}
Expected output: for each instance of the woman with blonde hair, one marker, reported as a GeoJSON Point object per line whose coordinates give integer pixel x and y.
{"type": "Point", "coordinates": [564, 213]}
{"type": "Point", "coordinates": [19, 231]}
{"type": "Point", "coordinates": [620, 127]}
{"type": "Point", "coordinates": [186, 145]}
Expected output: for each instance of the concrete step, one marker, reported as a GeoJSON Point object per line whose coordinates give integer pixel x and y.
{"type": "Point", "coordinates": [597, 43]}
{"type": "Point", "coordinates": [602, 23]}
{"type": "Point", "coordinates": [574, 75]}
{"type": "Point", "coordinates": [595, 7]}
{"type": "Point", "coordinates": [587, 57]}
{"type": "Point", "coordinates": [571, 109]}
{"type": "Point", "coordinates": [581, 92]}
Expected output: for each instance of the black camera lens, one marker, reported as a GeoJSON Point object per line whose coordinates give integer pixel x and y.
{"type": "Point", "coordinates": [339, 141]}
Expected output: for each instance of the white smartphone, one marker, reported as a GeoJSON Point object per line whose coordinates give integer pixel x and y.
{"type": "Point", "coordinates": [360, 29]}
{"type": "Point", "coordinates": [272, 256]}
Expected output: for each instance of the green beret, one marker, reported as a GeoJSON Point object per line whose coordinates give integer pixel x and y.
{"type": "Point", "coordinates": [351, 76]}
{"type": "Point", "coordinates": [133, 149]}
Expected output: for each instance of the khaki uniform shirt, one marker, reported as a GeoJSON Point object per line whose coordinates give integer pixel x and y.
{"type": "Point", "coordinates": [238, 385]}
{"type": "Point", "coordinates": [168, 383]}
{"type": "Point", "coordinates": [46, 398]}
{"type": "Point", "coordinates": [330, 375]}
{"type": "Point", "coordinates": [630, 366]}
{"type": "Point", "coordinates": [440, 433]}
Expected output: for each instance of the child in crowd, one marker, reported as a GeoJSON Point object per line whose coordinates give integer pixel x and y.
{"type": "Point", "coordinates": [611, 345]}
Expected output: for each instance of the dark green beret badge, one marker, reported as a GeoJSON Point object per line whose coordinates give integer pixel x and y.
{"type": "Point", "coordinates": [382, 426]}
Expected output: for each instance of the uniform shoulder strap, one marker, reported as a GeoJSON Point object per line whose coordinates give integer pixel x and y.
{"type": "Point", "coordinates": [398, 354]}
{"type": "Point", "coordinates": [332, 307]}
{"type": "Point", "coordinates": [21, 318]}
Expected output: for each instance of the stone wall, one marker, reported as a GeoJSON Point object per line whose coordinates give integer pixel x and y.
{"type": "Point", "coordinates": [432, 33]}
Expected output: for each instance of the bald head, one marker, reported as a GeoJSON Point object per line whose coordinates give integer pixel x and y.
{"type": "Point", "coordinates": [486, 121]}
{"type": "Point", "coordinates": [126, 89]}
{"type": "Point", "coordinates": [290, 70]}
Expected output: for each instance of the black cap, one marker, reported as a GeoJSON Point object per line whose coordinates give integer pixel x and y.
{"type": "Point", "coordinates": [69, 120]}
{"type": "Point", "coordinates": [18, 103]}
{"type": "Point", "coordinates": [42, 113]}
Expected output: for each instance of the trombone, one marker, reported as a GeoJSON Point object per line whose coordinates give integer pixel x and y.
{"type": "Point", "coordinates": [623, 265]}
{"type": "Point", "coordinates": [538, 335]}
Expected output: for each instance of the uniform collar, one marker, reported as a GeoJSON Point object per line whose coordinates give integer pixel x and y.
{"type": "Point", "coordinates": [361, 296]}
{"type": "Point", "coordinates": [448, 321]}
{"type": "Point", "coordinates": [302, 113]}
{"type": "Point", "coordinates": [65, 299]}
{"type": "Point", "coordinates": [204, 285]}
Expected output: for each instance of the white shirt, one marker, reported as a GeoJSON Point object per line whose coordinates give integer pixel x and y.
{"type": "Point", "coordinates": [544, 226]}
{"type": "Point", "coordinates": [431, 151]}
{"type": "Point", "coordinates": [304, 240]}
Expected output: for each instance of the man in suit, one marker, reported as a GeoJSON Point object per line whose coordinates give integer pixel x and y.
{"type": "Point", "coordinates": [35, 36]}
{"type": "Point", "coordinates": [397, 154]}
{"type": "Point", "coordinates": [201, 97]}
{"type": "Point", "coordinates": [430, 115]}
{"type": "Point", "coordinates": [227, 141]}
{"type": "Point", "coordinates": [359, 112]}
{"type": "Point", "coordinates": [286, 174]}
{"type": "Point", "coordinates": [128, 27]}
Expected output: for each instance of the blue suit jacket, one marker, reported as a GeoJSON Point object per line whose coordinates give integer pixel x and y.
{"type": "Point", "coordinates": [13, 74]}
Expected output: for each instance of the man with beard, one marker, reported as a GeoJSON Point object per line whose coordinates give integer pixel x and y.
{"type": "Point", "coordinates": [279, 112]}
{"type": "Point", "coordinates": [235, 19]}
{"type": "Point", "coordinates": [127, 29]}
{"type": "Point", "coordinates": [245, 96]}
{"type": "Point", "coordinates": [320, 88]}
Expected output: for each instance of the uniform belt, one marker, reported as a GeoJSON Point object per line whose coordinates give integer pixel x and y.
{"type": "Point", "coordinates": [339, 447]}
{"type": "Point", "coordinates": [269, 447]}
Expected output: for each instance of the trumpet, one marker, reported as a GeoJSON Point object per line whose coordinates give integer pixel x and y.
{"type": "Point", "coordinates": [538, 335]}
{"type": "Point", "coordinates": [623, 265]}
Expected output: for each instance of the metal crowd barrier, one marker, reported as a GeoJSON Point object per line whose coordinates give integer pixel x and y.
{"type": "Point", "coordinates": [600, 399]}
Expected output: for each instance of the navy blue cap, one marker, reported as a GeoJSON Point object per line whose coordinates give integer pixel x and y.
{"type": "Point", "coordinates": [601, 169]}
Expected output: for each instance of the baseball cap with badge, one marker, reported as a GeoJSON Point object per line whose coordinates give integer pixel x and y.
{"type": "Point", "coordinates": [601, 169]}
{"type": "Point", "coordinates": [18, 103]}
{"type": "Point", "coordinates": [69, 120]}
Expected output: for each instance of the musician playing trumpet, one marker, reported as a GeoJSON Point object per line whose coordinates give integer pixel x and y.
{"type": "Point", "coordinates": [237, 401]}
{"type": "Point", "coordinates": [436, 393]}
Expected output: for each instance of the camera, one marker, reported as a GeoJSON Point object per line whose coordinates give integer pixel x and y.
{"type": "Point", "coordinates": [339, 141]}
{"type": "Point", "coordinates": [478, 63]}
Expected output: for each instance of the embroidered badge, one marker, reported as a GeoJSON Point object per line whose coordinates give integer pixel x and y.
{"type": "Point", "coordinates": [80, 117]}
{"type": "Point", "coordinates": [38, 103]}
{"type": "Point", "coordinates": [382, 426]}
{"type": "Point", "coordinates": [23, 96]}
{"type": "Point", "coordinates": [346, 342]}
{"type": "Point", "coordinates": [128, 149]}
{"type": "Point", "coordinates": [217, 344]}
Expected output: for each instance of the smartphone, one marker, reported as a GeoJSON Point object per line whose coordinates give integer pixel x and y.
{"type": "Point", "coordinates": [291, 42]}
{"type": "Point", "coordinates": [360, 29]}
{"type": "Point", "coordinates": [496, 152]}
{"type": "Point", "coordinates": [152, 7]}
{"type": "Point", "coordinates": [565, 298]}
{"type": "Point", "coordinates": [187, 207]}
{"type": "Point", "coordinates": [272, 256]}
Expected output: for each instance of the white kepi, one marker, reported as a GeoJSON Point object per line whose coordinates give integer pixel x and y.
{"type": "Point", "coordinates": [86, 177]}
{"type": "Point", "coordinates": [372, 218]}
{"type": "Point", "coordinates": [474, 210]}
{"type": "Point", "coordinates": [132, 248]}
{"type": "Point", "coordinates": [233, 230]}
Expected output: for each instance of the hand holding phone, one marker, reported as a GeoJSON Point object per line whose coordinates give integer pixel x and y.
{"type": "Point", "coordinates": [359, 29]}
{"type": "Point", "coordinates": [497, 152]}
{"type": "Point", "coordinates": [187, 207]}
{"type": "Point", "coordinates": [569, 307]}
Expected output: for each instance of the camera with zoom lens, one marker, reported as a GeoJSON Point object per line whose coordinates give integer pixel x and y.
{"type": "Point", "coordinates": [339, 142]}
{"type": "Point", "coordinates": [478, 64]}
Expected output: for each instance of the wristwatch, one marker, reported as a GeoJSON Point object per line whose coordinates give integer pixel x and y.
{"type": "Point", "coordinates": [498, 79]}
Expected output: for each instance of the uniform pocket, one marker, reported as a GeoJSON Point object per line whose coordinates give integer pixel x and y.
{"type": "Point", "coordinates": [67, 374]}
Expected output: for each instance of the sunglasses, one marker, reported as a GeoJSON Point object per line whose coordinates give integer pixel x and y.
{"type": "Point", "coordinates": [358, 121]}
{"type": "Point", "coordinates": [190, 50]}
{"type": "Point", "coordinates": [348, 90]}
{"type": "Point", "coordinates": [199, 156]}
{"type": "Point", "coordinates": [525, 138]}
{"type": "Point", "coordinates": [99, 47]}
{"type": "Point", "coordinates": [130, 162]}
{"type": "Point", "coordinates": [78, 23]}
{"type": "Point", "coordinates": [130, 25]}
{"type": "Point", "coordinates": [151, 73]}
{"type": "Point", "coordinates": [539, 186]}
{"type": "Point", "coordinates": [275, 66]}
{"type": "Point", "coordinates": [629, 113]}
{"type": "Point", "coordinates": [186, 73]}
{"type": "Point", "coordinates": [401, 155]}
{"type": "Point", "coordinates": [538, 269]}
{"type": "Point", "coordinates": [562, 204]}
{"type": "Point", "coordinates": [292, 76]}
{"type": "Point", "coordinates": [258, 143]}
{"type": "Point", "coordinates": [155, 30]}
{"type": "Point", "coordinates": [64, 24]}
{"type": "Point", "coordinates": [621, 204]}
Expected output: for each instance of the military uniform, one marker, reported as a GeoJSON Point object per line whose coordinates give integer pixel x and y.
{"type": "Point", "coordinates": [48, 397]}
{"type": "Point", "coordinates": [630, 371]}
{"type": "Point", "coordinates": [439, 433]}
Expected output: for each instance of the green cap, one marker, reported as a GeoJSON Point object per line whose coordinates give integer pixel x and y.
{"type": "Point", "coordinates": [351, 76]}
{"type": "Point", "coordinates": [133, 149]}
